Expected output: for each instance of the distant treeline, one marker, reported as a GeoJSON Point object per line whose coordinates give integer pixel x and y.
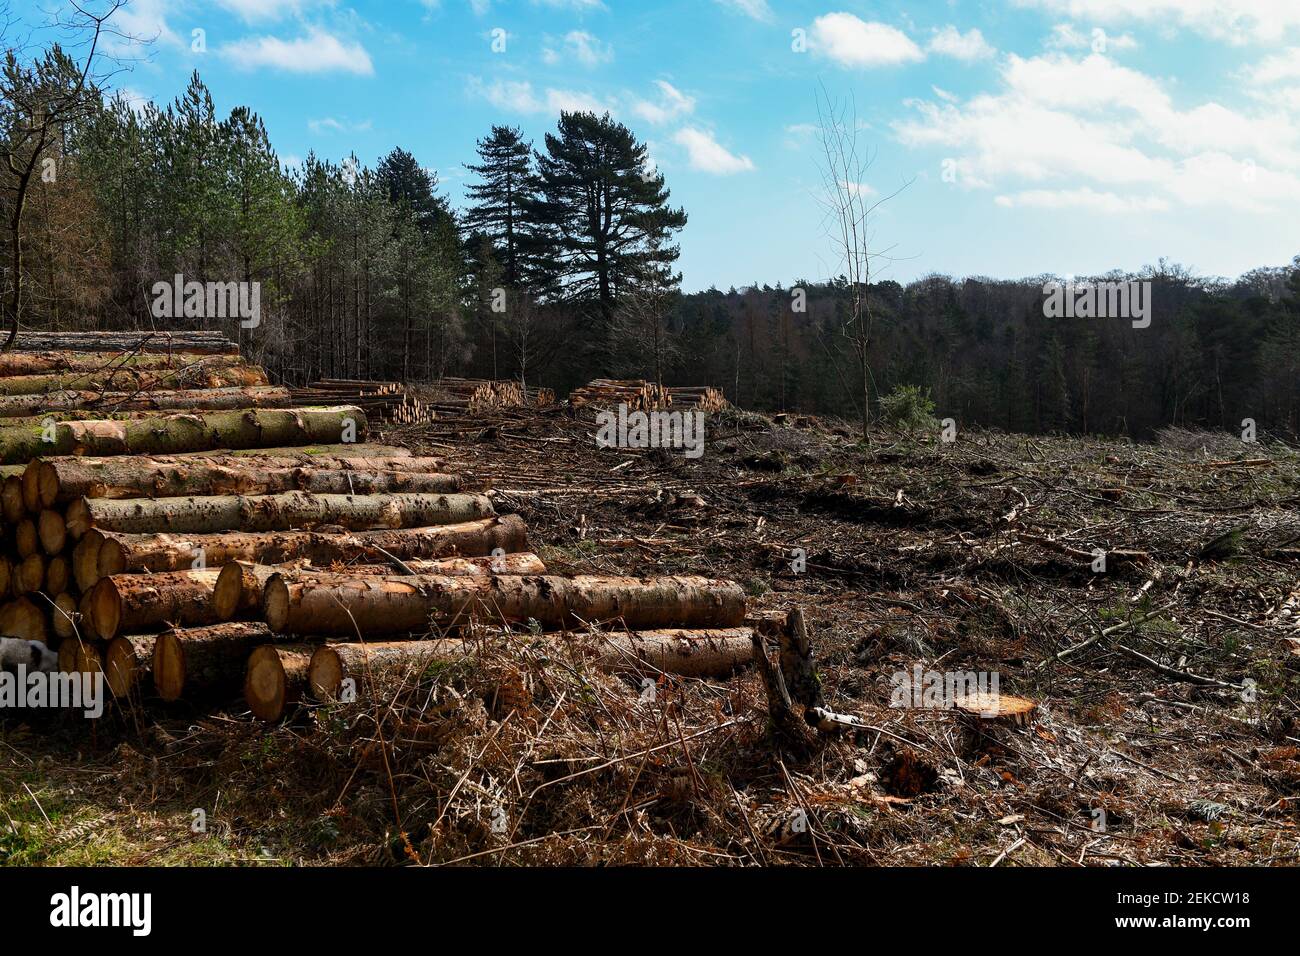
{"type": "Point", "coordinates": [1215, 353]}
{"type": "Point", "coordinates": [560, 269]}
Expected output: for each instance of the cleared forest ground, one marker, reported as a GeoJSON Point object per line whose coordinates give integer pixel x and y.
{"type": "Point", "coordinates": [1168, 686]}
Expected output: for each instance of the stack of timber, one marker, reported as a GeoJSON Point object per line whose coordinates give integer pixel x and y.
{"type": "Point", "coordinates": [391, 401]}
{"type": "Point", "coordinates": [190, 544]}
{"type": "Point", "coordinates": [476, 396]}
{"type": "Point", "coordinates": [640, 395]}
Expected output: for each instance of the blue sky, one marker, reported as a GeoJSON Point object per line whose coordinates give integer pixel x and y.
{"type": "Point", "coordinates": [1062, 136]}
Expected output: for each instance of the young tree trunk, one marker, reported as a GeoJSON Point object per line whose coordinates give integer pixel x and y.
{"type": "Point", "coordinates": [372, 605]}
{"type": "Point", "coordinates": [295, 509]}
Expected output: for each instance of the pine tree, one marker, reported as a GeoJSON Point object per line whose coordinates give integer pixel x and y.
{"type": "Point", "coordinates": [496, 214]}
{"type": "Point", "coordinates": [603, 206]}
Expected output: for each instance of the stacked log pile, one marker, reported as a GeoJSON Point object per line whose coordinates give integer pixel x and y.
{"type": "Point", "coordinates": [476, 396]}
{"type": "Point", "coordinates": [188, 543]}
{"type": "Point", "coordinates": [640, 395]}
{"type": "Point", "coordinates": [391, 401]}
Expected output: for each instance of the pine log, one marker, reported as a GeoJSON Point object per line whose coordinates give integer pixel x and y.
{"type": "Point", "coordinates": [283, 512]}
{"type": "Point", "coordinates": [686, 653]}
{"type": "Point", "coordinates": [84, 400]}
{"type": "Point", "coordinates": [206, 374]}
{"type": "Point", "coordinates": [126, 663]}
{"type": "Point", "coordinates": [6, 576]}
{"type": "Point", "coordinates": [240, 584]}
{"type": "Point", "coordinates": [143, 603]}
{"type": "Point", "coordinates": [26, 539]}
{"type": "Point", "coordinates": [181, 432]}
{"type": "Point", "coordinates": [11, 499]}
{"type": "Point", "coordinates": [63, 480]}
{"type": "Point", "coordinates": [52, 531]}
{"type": "Point", "coordinates": [46, 363]}
{"type": "Point", "coordinates": [372, 605]}
{"type": "Point", "coordinates": [121, 553]}
{"type": "Point", "coordinates": [85, 617]}
{"type": "Point", "coordinates": [65, 618]}
{"type": "Point", "coordinates": [197, 341]}
{"type": "Point", "coordinates": [205, 660]}
{"type": "Point", "coordinates": [276, 679]}
{"type": "Point", "coordinates": [58, 575]}
{"type": "Point", "coordinates": [85, 561]}
{"type": "Point", "coordinates": [29, 576]}
{"type": "Point", "coordinates": [23, 619]}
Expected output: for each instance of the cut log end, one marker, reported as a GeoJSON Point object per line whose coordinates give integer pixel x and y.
{"type": "Point", "coordinates": [276, 679]}
{"type": "Point", "coordinates": [106, 608]}
{"type": "Point", "coordinates": [169, 666]}
{"type": "Point", "coordinates": [126, 662]}
{"type": "Point", "coordinates": [228, 592]}
{"type": "Point", "coordinates": [1000, 707]}
{"type": "Point", "coordinates": [275, 602]}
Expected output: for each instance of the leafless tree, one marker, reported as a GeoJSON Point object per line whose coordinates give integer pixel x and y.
{"type": "Point", "coordinates": [850, 206]}
{"type": "Point", "coordinates": [40, 98]}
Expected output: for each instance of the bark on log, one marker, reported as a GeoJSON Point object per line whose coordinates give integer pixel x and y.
{"type": "Point", "coordinates": [126, 663]}
{"type": "Point", "coordinates": [181, 432]}
{"type": "Point", "coordinates": [276, 679]}
{"type": "Point", "coordinates": [373, 605]}
{"type": "Point", "coordinates": [142, 603]}
{"type": "Point", "coordinates": [47, 363]}
{"type": "Point", "coordinates": [135, 553]}
{"type": "Point", "coordinates": [23, 619]}
{"type": "Point", "coordinates": [240, 584]}
{"type": "Point", "coordinates": [686, 653]}
{"type": "Point", "coordinates": [283, 512]}
{"type": "Point", "coordinates": [64, 480]}
{"type": "Point", "coordinates": [84, 400]}
{"type": "Point", "coordinates": [198, 341]}
{"type": "Point", "coordinates": [205, 660]}
{"type": "Point", "coordinates": [207, 374]}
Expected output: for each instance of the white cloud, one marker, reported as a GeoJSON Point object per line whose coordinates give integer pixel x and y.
{"type": "Point", "coordinates": [260, 10]}
{"type": "Point", "coordinates": [582, 46]}
{"type": "Point", "coordinates": [708, 155]}
{"type": "Point", "coordinates": [672, 104]}
{"type": "Point", "coordinates": [518, 96]}
{"type": "Point", "coordinates": [1237, 21]}
{"type": "Point", "coordinates": [853, 42]}
{"type": "Point", "coordinates": [578, 5]}
{"type": "Point", "coordinates": [968, 46]}
{"type": "Point", "coordinates": [1083, 198]}
{"type": "Point", "coordinates": [1066, 36]}
{"type": "Point", "coordinates": [317, 52]}
{"type": "Point", "coordinates": [1275, 68]}
{"type": "Point", "coordinates": [329, 124]}
{"type": "Point", "coordinates": [1074, 125]}
{"type": "Point", "coordinates": [755, 9]}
